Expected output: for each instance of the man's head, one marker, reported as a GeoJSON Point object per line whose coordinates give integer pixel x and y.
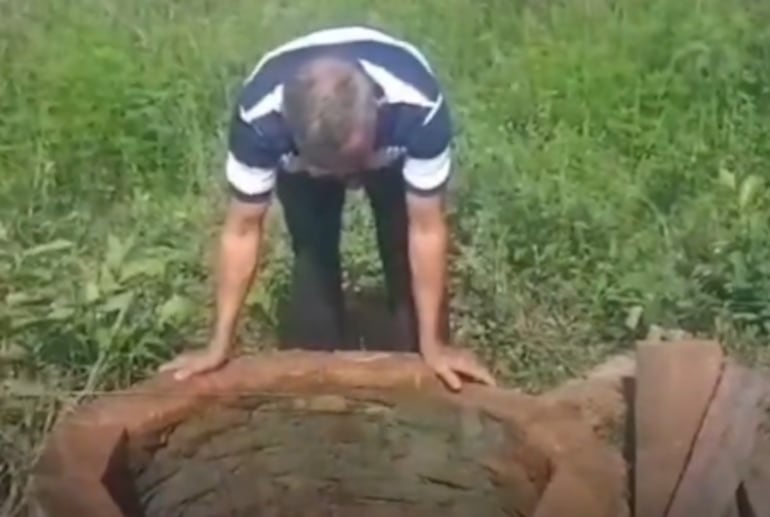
{"type": "Point", "coordinates": [331, 107]}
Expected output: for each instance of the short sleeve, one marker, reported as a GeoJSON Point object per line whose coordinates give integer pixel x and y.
{"type": "Point", "coordinates": [252, 159]}
{"type": "Point", "coordinates": [427, 166]}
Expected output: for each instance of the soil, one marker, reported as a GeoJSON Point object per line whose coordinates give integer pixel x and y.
{"type": "Point", "coordinates": [603, 398]}
{"type": "Point", "coordinates": [330, 455]}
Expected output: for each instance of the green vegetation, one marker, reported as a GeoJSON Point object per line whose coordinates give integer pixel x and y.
{"type": "Point", "coordinates": [613, 174]}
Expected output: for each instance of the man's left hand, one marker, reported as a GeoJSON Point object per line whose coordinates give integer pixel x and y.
{"type": "Point", "coordinates": [449, 363]}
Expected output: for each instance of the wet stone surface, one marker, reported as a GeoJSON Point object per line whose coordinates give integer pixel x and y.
{"type": "Point", "coordinates": [328, 456]}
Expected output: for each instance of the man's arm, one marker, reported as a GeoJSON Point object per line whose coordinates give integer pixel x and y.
{"type": "Point", "coordinates": [428, 246]}
{"type": "Point", "coordinates": [240, 244]}
{"type": "Point", "coordinates": [427, 171]}
{"type": "Point", "coordinates": [250, 172]}
{"type": "Point", "coordinates": [239, 253]}
{"type": "Point", "coordinates": [428, 242]}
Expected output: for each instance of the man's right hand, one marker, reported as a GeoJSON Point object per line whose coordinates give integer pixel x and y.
{"type": "Point", "coordinates": [195, 362]}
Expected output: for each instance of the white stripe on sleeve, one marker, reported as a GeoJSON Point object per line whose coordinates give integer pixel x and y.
{"type": "Point", "coordinates": [249, 180]}
{"type": "Point", "coordinates": [427, 174]}
{"type": "Point", "coordinates": [341, 35]}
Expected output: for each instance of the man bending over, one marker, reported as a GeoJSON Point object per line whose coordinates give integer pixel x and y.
{"type": "Point", "coordinates": [338, 108]}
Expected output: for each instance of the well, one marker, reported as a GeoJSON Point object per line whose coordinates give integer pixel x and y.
{"type": "Point", "coordinates": [678, 430]}
{"type": "Point", "coordinates": [331, 434]}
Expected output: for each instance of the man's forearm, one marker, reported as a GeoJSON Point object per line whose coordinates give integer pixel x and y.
{"type": "Point", "coordinates": [238, 257]}
{"type": "Point", "coordinates": [427, 253]}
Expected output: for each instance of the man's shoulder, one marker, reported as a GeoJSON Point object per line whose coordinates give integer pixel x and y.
{"type": "Point", "coordinates": [347, 37]}
{"type": "Point", "coordinates": [379, 50]}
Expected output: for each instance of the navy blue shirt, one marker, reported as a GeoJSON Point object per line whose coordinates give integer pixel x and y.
{"type": "Point", "coordinates": [414, 123]}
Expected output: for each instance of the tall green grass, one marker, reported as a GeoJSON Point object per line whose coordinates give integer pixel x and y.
{"type": "Point", "coordinates": [612, 174]}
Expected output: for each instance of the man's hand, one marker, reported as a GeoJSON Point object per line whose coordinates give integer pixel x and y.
{"type": "Point", "coordinates": [195, 362]}
{"type": "Point", "coordinates": [428, 235]}
{"type": "Point", "coordinates": [450, 363]}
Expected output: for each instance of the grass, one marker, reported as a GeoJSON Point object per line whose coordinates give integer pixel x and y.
{"type": "Point", "coordinates": [612, 175]}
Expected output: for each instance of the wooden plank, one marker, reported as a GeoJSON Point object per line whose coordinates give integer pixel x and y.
{"type": "Point", "coordinates": [722, 452]}
{"type": "Point", "coordinates": [674, 384]}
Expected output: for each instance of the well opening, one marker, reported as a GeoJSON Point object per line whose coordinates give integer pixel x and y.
{"type": "Point", "coordinates": [337, 454]}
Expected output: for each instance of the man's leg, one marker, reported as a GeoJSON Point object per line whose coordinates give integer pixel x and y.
{"type": "Point", "coordinates": [313, 317]}
{"type": "Point", "coordinates": [386, 190]}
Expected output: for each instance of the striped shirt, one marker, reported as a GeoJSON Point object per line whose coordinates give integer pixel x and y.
{"type": "Point", "coordinates": [413, 122]}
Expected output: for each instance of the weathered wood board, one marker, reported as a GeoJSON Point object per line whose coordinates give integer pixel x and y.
{"type": "Point", "coordinates": [674, 385]}
{"type": "Point", "coordinates": [723, 449]}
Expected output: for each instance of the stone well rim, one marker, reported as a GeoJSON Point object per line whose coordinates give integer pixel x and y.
{"type": "Point", "coordinates": [78, 460]}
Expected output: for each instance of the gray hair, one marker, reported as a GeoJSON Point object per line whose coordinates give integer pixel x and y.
{"type": "Point", "coordinates": [325, 103]}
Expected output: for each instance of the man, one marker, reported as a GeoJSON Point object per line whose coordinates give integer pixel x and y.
{"type": "Point", "coordinates": [335, 108]}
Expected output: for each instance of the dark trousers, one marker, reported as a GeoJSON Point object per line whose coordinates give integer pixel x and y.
{"type": "Point", "coordinates": [315, 315]}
